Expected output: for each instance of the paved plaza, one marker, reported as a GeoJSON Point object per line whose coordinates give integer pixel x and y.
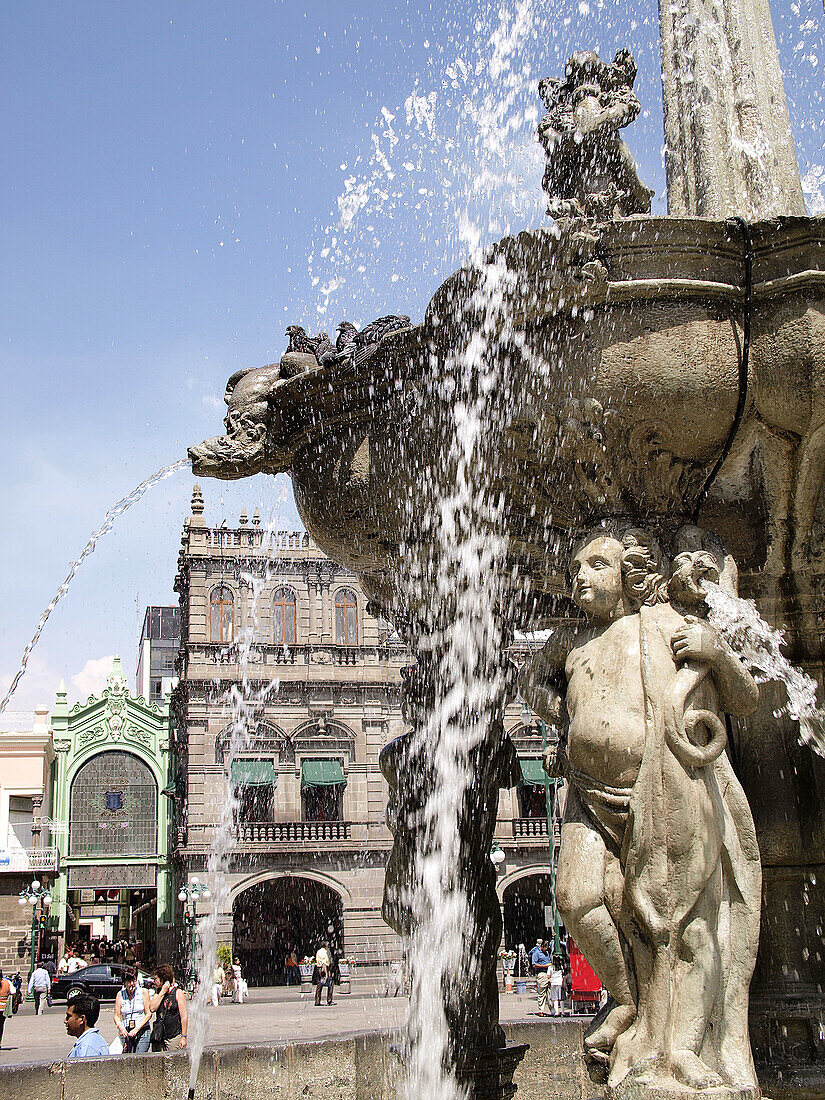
{"type": "Point", "coordinates": [273, 1015]}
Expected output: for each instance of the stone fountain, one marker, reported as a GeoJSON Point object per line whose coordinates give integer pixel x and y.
{"type": "Point", "coordinates": [646, 396]}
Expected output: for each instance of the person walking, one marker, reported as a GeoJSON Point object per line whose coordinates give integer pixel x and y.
{"type": "Point", "coordinates": [556, 987]}
{"type": "Point", "coordinates": [321, 976]}
{"type": "Point", "coordinates": [541, 963]}
{"type": "Point", "coordinates": [82, 1012]}
{"type": "Point", "coordinates": [6, 1003]}
{"type": "Point", "coordinates": [47, 962]}
{"type": "Point", "coordinates": [218, 976]}
{"type": "Point", "coordinates": [132, 1015]}
{"type": "Point", "coordinates": [292, 970]}
{"type": "Point", "coordinates": [40, 984]}
{"type": "Point", "coordinates": [240, 984]}
{"type": "Point", "coordinates": [171, 1011]}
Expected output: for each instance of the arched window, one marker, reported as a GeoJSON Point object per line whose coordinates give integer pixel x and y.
{"type": "Point", "coordinates": [346, 617]}
{"type": "Point", "coordinates": [113, 807]}
{"type": "Point", "coordinates": [221, 615]}
{"type": "Point", "coordinates": [283, 616]}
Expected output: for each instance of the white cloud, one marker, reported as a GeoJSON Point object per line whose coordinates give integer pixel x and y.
{"type": "Point", "coordinates": [91, 679]}
{"type": "Point", "coordinates": [37, 687]}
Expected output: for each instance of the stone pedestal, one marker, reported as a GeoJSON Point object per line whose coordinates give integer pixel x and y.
{"type": "Point", "coordinates": [488, 1074]}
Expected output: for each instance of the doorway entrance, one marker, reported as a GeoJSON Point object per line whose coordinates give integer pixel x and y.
{"type": "Point", "coordinates": [273, 917]}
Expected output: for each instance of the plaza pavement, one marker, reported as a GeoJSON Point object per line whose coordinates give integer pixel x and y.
{"type": "Point", "coordinates": [271, 1015]}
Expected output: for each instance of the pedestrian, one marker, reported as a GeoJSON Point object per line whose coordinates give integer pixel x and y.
{"type": "Point", "coordinates": [6, 1003]}
{"type": "Point", "coordinates": [48, 964]}
{"type": "Point", "coordinates": [541, 964]}
{"type": "Point", "coordinates": [292, 969]}
{"type": "Point", "coordinates": [240, 984]}
{"type": "Point", "coordinates": [40, 984]}
{"type": "Point", "coordinates": [228, 990]}
{"type": "Point", "coordinates": [556, 987]}
{"type": "Point", "coordinates": [321, 975]}
{"type": "Point", "coordinates": [82, 1012]}
{"type": "Point", "coordinates": [132, 1015]}
{"type": "Point", "coordinates": [71, 965]}
{"type": "Point", "coordinates": [171, 1011]}
{"type": "Point", "coordinates": [218, 976]}
{"type": "Point", "coordinates": [63, 965]}
{"type": "Point", "coordinates": [17, 991]}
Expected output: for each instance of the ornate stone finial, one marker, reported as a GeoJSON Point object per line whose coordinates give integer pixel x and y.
{"type": "Point", "coordinates": [116, 680]}
{"type": "Point", "coordinates": [590, 171]}
{"type": "Point", "coordinates": [256, 518]}
{"type": "Point", "coordinates": [61, 706]}
{"type": "Point", "coordinates": [197, 500]}
{"type": "Point", "coordinates": [244, 520]}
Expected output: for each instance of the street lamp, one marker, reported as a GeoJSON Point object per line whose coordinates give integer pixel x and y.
{"type": "Point", "coordinates": [497, 855]}
{"type": "Point", "coordinates": [190, 893]}
{"type": "Point", "coordinates": [34, 895]}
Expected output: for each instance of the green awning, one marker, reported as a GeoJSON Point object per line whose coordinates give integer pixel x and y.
{"type": "Point", "coordinates": [532, 774]}
{"type": "Point", "coordinates": [322, 773]}
{"type": "Point", "coordinates": [254, 773]}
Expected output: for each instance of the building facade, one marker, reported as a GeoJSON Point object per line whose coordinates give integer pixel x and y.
{"type": "Point", "coordinates": [111, 818]}
{"type": "Point", "coordinates": [322, 696]}
{"type": "Point", "coordinates": [26, 848]}
{"type": "Point", "coordinates": [157, 652]}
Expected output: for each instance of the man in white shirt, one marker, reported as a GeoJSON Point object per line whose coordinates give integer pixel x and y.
{"type": "Point", "coordinates": [40, 984]}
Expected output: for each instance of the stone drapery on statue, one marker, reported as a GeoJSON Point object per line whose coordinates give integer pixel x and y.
{"type": "Point", "coordinates": [659, 877]}
{"type": "Point", "coordinates": [590, 171]}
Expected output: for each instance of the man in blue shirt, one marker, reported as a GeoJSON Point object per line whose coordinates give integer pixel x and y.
{"type": "Point", "coordinates": [541, 963]}
{"type": "Point", "coordinates": [82, 1012]}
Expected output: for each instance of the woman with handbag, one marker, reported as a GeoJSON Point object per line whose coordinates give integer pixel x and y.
{"type": "Point", "coordinates": [171, 1011]}
{"type": "Point", "coordinates": [132, 1015]}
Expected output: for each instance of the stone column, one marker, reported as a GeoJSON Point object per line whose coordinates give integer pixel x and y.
{"type": "Point", "coordinates": [729, 148]}
{"type": "Point", "coordinates": [326, 612]}
{"type": "Point", "coordinates": [313, 609]}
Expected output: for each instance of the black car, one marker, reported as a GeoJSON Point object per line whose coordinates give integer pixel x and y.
{"type": "Point", "coordinates": [102, 979]}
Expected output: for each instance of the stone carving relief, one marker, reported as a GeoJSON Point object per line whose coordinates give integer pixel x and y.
{"type": "Point", "coordinates": [604, 465]}
{"type": "Point", "coordinates": [95, 733]}
{"type": "Point", "coordinates": [590, 171]}
{"type": "Point", "coordinates": [659, 877]}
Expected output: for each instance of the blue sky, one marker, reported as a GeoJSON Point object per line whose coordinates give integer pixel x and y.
{"type": "Point", "coordinates": [183, 180]}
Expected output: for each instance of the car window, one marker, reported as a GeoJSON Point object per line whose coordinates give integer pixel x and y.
{"type": "Point", "coordinates": [96, 973]}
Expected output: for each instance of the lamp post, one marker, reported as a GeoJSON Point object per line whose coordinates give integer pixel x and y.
{"type": "Point", "coordinates": [34, 895]}
{"type": "Point", "coordinates": [191, 892]}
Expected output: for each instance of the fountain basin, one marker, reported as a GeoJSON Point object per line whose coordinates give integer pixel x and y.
{"type": "Point", "coordinates": [621, 351]}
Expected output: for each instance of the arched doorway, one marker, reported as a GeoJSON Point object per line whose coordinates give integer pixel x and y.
{"type": "Point", "coordinates": [272, 917]}
{"type": "Point", "coordinates": [524, 910]}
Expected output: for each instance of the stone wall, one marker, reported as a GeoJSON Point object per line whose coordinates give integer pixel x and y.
{"type": "Point", "coordinates": [15, 925]}
{"type": "Point", "coordinates": [360, 1067]}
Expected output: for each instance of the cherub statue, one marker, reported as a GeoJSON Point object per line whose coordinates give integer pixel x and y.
{"type": "Point", "coordinates": [659, 877]}
{"type": "Point", "coordinates": [590, 171]}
